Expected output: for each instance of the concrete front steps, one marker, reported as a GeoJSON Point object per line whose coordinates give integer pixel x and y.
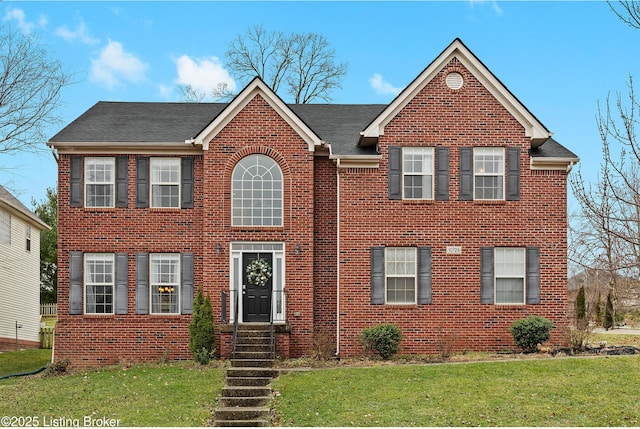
{"type": "Point", "coordinates": [246, 395]}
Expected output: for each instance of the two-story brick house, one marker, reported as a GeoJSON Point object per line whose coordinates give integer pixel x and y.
{"type": "Point", "coordinates": [443, 212]}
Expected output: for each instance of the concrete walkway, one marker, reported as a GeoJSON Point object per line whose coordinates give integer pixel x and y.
{"type": "Point", "coordinates": [625, 330]}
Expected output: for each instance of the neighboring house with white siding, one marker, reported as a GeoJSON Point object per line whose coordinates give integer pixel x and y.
{"type": "Point", "coordinates": [19, 273]}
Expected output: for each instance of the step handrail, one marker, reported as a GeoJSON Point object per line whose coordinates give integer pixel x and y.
{"type": "Point", "coordinates": [235, 325]}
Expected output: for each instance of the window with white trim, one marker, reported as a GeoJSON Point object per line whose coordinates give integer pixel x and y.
{"type": "Point", "coordinates": [417, 173]}
{"type": "Point", "coordinates": [256, 189]}
{"type": "Point", "coordinates": [510, 274]}
{"type": "Point", "coordinates": [400, 273]}
{"type": "Point", "coordinates": [165, 182]}
{"type": "Point", "coordinates": [27, 233]}
{"type": "Point", "coordinates": [99, 283]}
{"type": "Point", "coordinates": [5, 227]}
{"type": "Point", "coordinates": [488, 173]}
{"type": "Point", "coordinates": [100, 179]}
{"type": "Point", "coordinates": [164, 283]}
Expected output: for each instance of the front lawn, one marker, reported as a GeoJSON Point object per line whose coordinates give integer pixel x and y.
{"type": "Point", "coordinates": [177, 394]}
{"type": "Point", "coordinates": [23, 361]}
{"type": "Point", "coordinates": [599, 391]}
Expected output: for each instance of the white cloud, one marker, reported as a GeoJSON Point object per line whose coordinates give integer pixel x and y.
{"type": "Point", "coordinates": [381, 87]}
{"type": "Point", "coordinates": [492, 3]}
{"type": "Point", "coordinates": [115, 65]}
{"type": "Point", "coordinates": [20, 19]}
{"type": "Point", "coordinates": [203, 74]}
{"type": "Point", "coordinates": [80, 33]}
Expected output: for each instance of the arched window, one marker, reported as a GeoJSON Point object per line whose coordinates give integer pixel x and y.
{"type": "Point", "coordinates": [256, 192]}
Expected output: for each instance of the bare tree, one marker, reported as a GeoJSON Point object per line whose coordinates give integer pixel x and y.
{"type": "Point", "coordinates": [30, 88]}
{"type": "Point", "coordinates": [191, 95]}
{"type": "Point", "coordinates": [304, 63]}
{"type": "Point", "coordinates": [627, 11]}
{"type": "Point", "coordinates": [608, 234]}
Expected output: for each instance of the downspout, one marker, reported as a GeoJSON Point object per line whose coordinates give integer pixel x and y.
{"type": "Point", "coordinates": [337, 259]}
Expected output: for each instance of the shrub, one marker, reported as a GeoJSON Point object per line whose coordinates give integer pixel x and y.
{"type": "Point", "coordinates": [530, 332]}
{"type": "Point", "coordinates": [59, 367]}
{"type": "Point", "coordinates": [202, 340]}
{"type": "Point", "coordinates": [608, 313]}
{"type": "Point", "coordinates": [581, 306]}
{"type": "Point", "coordinates": [383, 339]}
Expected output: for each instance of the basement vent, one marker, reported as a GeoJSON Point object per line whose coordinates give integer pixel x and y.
{"type": "Point", "coordinates": [454, 80]}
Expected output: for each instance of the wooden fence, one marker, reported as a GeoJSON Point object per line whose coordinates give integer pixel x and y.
{"type": "Point", "coordinates": [46, 338]}
{"type": "Point", "coordinates": [48, 310]}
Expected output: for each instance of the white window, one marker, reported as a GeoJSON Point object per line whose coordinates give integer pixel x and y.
{"type": "Point", "coordinates": [488, 173]}
{"type": "Point", "coordinates": [27, 233]}
{"type": "Point", "coordinates": [256, 192]}
{"type": "Point", "coordinates": [99, 283]}
{"type": "Point", "coordinates": [165, 182]}
{"type": "Point", "coordinates": [165, 283]}
{"type": "Point", "coordinates": [417, 173]}
{"type": "Point", "coordinates": [400, 272]}
{"type": "Point", "coordinates": [100, 180]}
{"type": "Point", "coordinates": [510, 272]}
{"type": "Point", "coordinates": [5, 227]}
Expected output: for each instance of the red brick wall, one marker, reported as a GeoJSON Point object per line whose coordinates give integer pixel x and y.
{"type": "Point", "coordinates": [259, 129]}
{"type": "Point", "coordinates": [467, 117]}
{"type": "Point", "coordinates": [437, 116]}
{"type": "Point", "coordinates": [93, 340]}
{"type": "Point", "coordinates": [325, 267]}
{"type": "Point", "coordinates": [98, 340]}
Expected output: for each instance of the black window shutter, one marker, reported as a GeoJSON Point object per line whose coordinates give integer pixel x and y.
{"type": "Point", "coordinates": [533, 275]}
{"type": "Point", "coordinates": [424, 275]}
{"type": "Point", "coordinates": [186, 271]}
{"type": "Point", "coordinates": [142, 182]}
{"type": "Point", "coordinates": [442, 173]}
{"type": "Point", "coordinates": [122, 283]}
{"type": "Point", "coordinates": [75, 282]}
{"type": "Point", "coordinates": [122, 181]}
{"type": "Point", "coordinates": [377, 275]}
{"type": "Point", "coordinates": [142, 283]}
{"type": "Point", "coordinates": [466, 173]}
{"type": "Point", "coordinates": [513, 174]}
{"type": "Point", "coordinates": [186, 170]}
{"type": "Point", "coordinates": [395, 173]}
{"type": "Point", "coordinates": [75, 181]}
{"type": "Point", "coordinates": [486, 275]}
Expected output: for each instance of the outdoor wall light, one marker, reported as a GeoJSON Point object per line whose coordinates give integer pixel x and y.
{"type": "Point", "coordinates": [297, 249]}
{"type": "Point", "coordinates": [218, 248]}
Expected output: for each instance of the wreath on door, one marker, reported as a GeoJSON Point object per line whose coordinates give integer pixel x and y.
{"type": "Point", "coordinates": [258, 272]}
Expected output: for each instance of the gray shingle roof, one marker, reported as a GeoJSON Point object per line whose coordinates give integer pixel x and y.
{"type": "Point", "coordinates": [132, 122]}
{"type": "Point", "coordinates": [8, 198]}
{"type": "Point", "coordinates": [552, 149]}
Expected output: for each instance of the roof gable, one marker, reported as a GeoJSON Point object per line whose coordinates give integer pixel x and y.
{"type": "Point", "coordinates": [12, 204]}
{"type": "Point", "coordinates": [534, 129]}
{"type": "Point", "coordinates": [254, 88]}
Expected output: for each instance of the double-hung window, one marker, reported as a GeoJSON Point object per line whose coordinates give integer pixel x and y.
{"type": "Point", "coordinates": [100, 179]}
{"type": "Point", "coordinates": [400, 270]}
{"type": "Point", "coordinates": [99, 283]}
{"type": "Point", "coordinates": [165, 182]}
{"type": "Point", "coordinates": [488, 173]}
{"type": "Point", "coordinates": [165, 283]}
{"type": "Point", "coordinates": [417, 173]}
{"type": "Point", "coordinates": [510, 274]}
{"type": "Point", "coordinates": [5, 227]}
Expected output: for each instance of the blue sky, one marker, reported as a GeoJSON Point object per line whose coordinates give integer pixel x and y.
{"type": "Point", "coordinates": [559, 58]}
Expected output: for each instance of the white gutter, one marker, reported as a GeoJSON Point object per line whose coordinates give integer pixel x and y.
{"type": "Point", "coordinates": [338, 258]}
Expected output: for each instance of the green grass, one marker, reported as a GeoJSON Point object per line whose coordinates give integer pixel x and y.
{"type": "Point", "coordinates": [615, 339]}
{"type": "Point", "coordinates": [549, 392]}
{"type": "Point", "coordinates": [23, 361]}
{"type": "Point", "coordinates": [177, 394]}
